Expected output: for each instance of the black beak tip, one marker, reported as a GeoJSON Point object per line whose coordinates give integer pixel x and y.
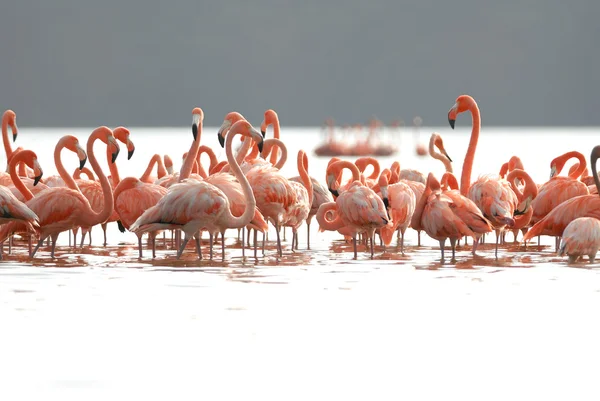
{"type": "Point", "coordinates": [14, 136]}
{"type": "Point", "coordinates": [221, 140]}
{"type": "Point", "coordinates": [37, 179]}
{"type": "Point", "coordinates": [260, 146]}
{"type": "Point", "coordinates": [263, 133]}
{"type": "Point", "coordinates": [334, 192]}
{"type": "Point", "coordinates": [386, 203]}
{"type": "Point", "coordinates": [449, 159]}
{"type": "Point", "coordinates": [195, 131]}
{"type": "Point", "coordinates": [114, 156]}
{"type": "Point", "coordinates": [451, 121]}
{"type": "Point", "coordinates": [82, 163]}
{"type": "Point", "coordinates": [130, 153]}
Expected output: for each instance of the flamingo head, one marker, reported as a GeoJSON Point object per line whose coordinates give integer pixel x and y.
{"type": "Point", "coordinates": [113, 147]}
{"type": "Point", "coordinates": [244, 128]}
{"type": "Point", "coordinates": [122, 134]}
{"type": "Point", "coordinates": [230, 119]}
{"type": "Point", "coordinates": [10, 118]}
{"type": "Point", "coordinates": [72, 143]}
{"type": "Point", "coordinates": [197, 118]}
{"type": "Point", "coordinates": [439, 143]}
{"type": "Point", "coordinates": [462, 104]}
{"type": "Point", "coordinates": [270, 119]}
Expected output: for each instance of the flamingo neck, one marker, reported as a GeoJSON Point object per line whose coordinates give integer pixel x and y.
{"type": "Point", "coordinates": [234, 168]}
{"type": "Point", "coordinates": [272, 146]}
{"type": "Point", "coordinates": [18, 183]}
{"type": "Point", "coordinates": [449, 181]}
{"type": "Point", "coordinates": [438, 156]}
{"type": "Point", "coordinates": [243, 150]}
{"type": "Point", "coordinates": [582, 163]}
{"type": "Point", "coordinates": [211, 155]}
{"type": "Point", "coordinates": [415, 221]}
{"type": "Point", "coordinates": [276, 135]}
{"type": "Point", "coordinates": [5, 140]}
{"type": "Point", "coordinates": [112, 167]}
{"type": "Point", "coordinates": [593, 160]}
{"type": "Point", "coordinates": [188, 164]}
{"type": "Point", "coordinates": [339, 166]}
{"type": "Point", "coordinates": [153, 161]}
{"type": "Point", "coordinates": [69, 181]}
{"type": "Point", "coordinates": [465, 179]}
{"type": "Point", "coordinates": [324, 223]}
{"type": "Point", "coordinates": [107, 193]}
{"type": "Point", "coordinates": [304, 177]}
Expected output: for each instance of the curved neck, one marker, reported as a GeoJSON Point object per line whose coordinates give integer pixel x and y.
{"type": "Point", "coordinates": [5, 140]}
{"type": "Point", "coordinates": [77, 174]}
{"type": "Point", "coordinates": [530, 188]}
{"type": "Point", "coordinates": [114, 171]}
{"type": "Point", "coordinates": [303, 172]}
{"type": "Point", "coordinates": [415, 221]}
{"type": "Point", "coordinates": [243, 150]}
{"type": "Point", "coordinates": [69, 181]}
{"type": "Point", "coordinates": [465, 179]}
{"type": "Point", "coordinates": [107, 194]}
{"type": "Point", "coordinates": [593, 159]}
{"type": "Point", "coordinates": [188, 164]}
{"type": "Point", "coordinates": [339, 166]}
{"type": "Point", "coordinates": [22, 170]}
{"type": "Point", "coordinates": [438, 156]}
{"type": "Point", "coordinates": [582, 163]}
{"type": "Point", "coordinates": [246, 217]}
{"type": "Point", "coordinates": [276, 135]}
{"type": "Point", "coordinates": [270, 147]}
{"type": "Point", "coordinates": [211, 155]}
{"type": "Point", "coordinates": [12, 168]}
{"type": "Point", "coordinates": [362, 164]}
{"type": "Point", "coordinates": [330, 225]}
{"type": "Point", "coordinates": [161, 172]}
{"type": "Point", "coordinates": [449, 181]}
{"type": "Point", "coordinates": [503, 170]}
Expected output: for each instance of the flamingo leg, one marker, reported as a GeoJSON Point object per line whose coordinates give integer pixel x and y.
{"type": "Point", "coordinates": [243, 231]}
{"type": "Point", "coordinates": [419, 238]}
{"type": "Point", "coordinates": [402, 244]}
{"type": "Point", "coordinates": [90, 236]}
{"type": "Point", "coordinates": [83, 232]}
{"type": "Point", "coordinates": [497, 239]}
{"type": "Point", "coordinates": [442, 244]}
{"type": "Point", "coordinates": [153, 235]}
{"type": "Point", "coordinates": [307, 234]}
{"type": "Point", "coordinates": [10, 244]}
{"type": "Point", "coordinates": [183, 244]}
{"type": "Point", "coordinates": [40, 242]}
{"type": "Point", "coordinates": [140, 246]}
{"type": "Point", "coordinates": [223, 246]}
{"type": "Point", "coordinates": [198, 249]}
{"type": "Point", "coordinates": [279, 250]}
{"type": "Point", "coordinates": [372, 238]}
{"type": "Point", "coordinates": [556, 243]}
{"type": "Point", "coordinates": [54, 237]}
{"type": "Point", "coordinates": [255, 241]}
{"type": "Point", "coordinates": [248, 240]}
{"type": "Point", "coordinates": [354, 245]}
{"type": "Point", "coordinates": [263, 247]}
{"type": "Point", "coordinates": [103, 229]}
{"type": "Point", "coordinates": [453, 245]}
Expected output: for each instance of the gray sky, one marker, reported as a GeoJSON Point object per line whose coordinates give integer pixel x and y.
{"type": "Point", "coordinates": [148, 63]}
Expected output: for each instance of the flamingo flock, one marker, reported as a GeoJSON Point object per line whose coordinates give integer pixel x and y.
{"type": "Point", "coordinates": [248, 191]}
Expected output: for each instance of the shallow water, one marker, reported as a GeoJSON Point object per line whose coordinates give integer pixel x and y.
{"type": "Point", "coordinates": [100, 323]}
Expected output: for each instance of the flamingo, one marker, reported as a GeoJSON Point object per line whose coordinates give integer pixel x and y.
{"type": "Point", "coordinates": [555, 222]}
{"type": "Point", "coordinates": [133, 197]}
{"type": "Point", "coordinates": [192, 205]}
{"type": "Point", "coordinates": [92, 190]}
{"type": "Point", "coordinates": [62, 208]}
{"type": "Point", "coordinates": [436, 141]}
{"type": "Point", "coordinates": [524, 210]}
{"type": "Point", "coordinates": [490, 193]}
{"type": "Point", "coordinates": [271, 118]}
{"type": "Point", "coordinates": [400, 198]}
{"type": "Point", "coordinates": [559, 189]}
{"type": "Point", "coordinates": [33, 185]}
{"type": "Point", "coordinates": [299, 212]}
{"type": "Point", "coordinates": [449, 215]}
{"type": "Point", "coordinates": [581, 237]}
{"type": "Point", "coordinates": [161, 171]}
{"type": "Point", "coordinates": [359, 209]}
{"type": "Point", "coordinates": [168, 164]}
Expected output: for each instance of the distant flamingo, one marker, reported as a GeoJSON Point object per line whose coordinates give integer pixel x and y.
{"type": "Point", "coordinates": [62, 208]}
{"type": "Point", "coordinates": [449, 215]}
{"type": "Point", "coordinates": [358, 208]}
{"type": "Point", "coordinates": [581, 237]}
{"type": "Point", "coordinates": [555, 222]}
{"type": "Point", "coordinates": [299, 212]}
{"type": "Point", "coordinates": [436, 141]}
{"type": "Point", "coordinates": [271, 118]}
{"type": "Point", "coordinates": [193, 205]}
{"type": "Point", "coordinates": [491, 194]}
{"type": "Point", "coordinates": [400, 199]}
{"type": "Point", "coordinates": [559, 189]}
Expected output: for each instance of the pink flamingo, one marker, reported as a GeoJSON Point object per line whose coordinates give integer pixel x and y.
{"type": "Point", "coordinates": [559, 189]}
{"type": "Point", "coordinates": [490, 193]}
{"type": "Point", "coordinates": [33, 185]}
{"type": "Point", "coordinates": [524, 210]}
{"type": "Point", "coordinates": [9, 119]}
{"type": "Point", "coordinates": [192, 205]}
{"type": "Point", "coordinates": [581, 237]}
{"type": "Point", "coordinates": [271, 118]}
{"type": "Point", "coordinates": [168, 164]}
{"type": "Point", "coordinates": [436, 141]}
{"type": "Point", "coordinates": [62, 208]}
{"type": "Point", "coordinates": [358, 208]}
{"type": "Point", "coordinates": [161, 171]}
{"type": "Point", "coordinates": [400, 199]}
{"type": "Point", "coordinates": [299, 212]}
{"type": "Point", "coordinates": [555, 222]}
{"type": "Point", "coordinates": [449, 215]}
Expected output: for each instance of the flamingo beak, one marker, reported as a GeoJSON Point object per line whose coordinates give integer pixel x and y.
{"type": "Point", "coordinates": [221, 140]}
{"type": "Point", "coordinates": [334, 192]}
{"type": "Point", "coordinates": [195, 130]}
{"type": "Point", "coordinates": [37, 179]}
{"type": "Point", "coordinates": [451, 121]}
{"type": "Point", "coordinates": [260, 145]}
{"type": "Point", "coordinates": [446, 154]}
{"type": "Point", "coordinates": [130, 153]}
{"type": "Point", "coordinates": [263, 133]}
{"type": "Point", "coordinates": [386, 203]}
{"type": "Point", "coordinates": [82, 163]}
{"type": "Point", "coordinates": [552, 171]}
{"type": "Point", "coordinates": [114, 155]}
{"type": "Point", "coordinates": [14, 136]}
